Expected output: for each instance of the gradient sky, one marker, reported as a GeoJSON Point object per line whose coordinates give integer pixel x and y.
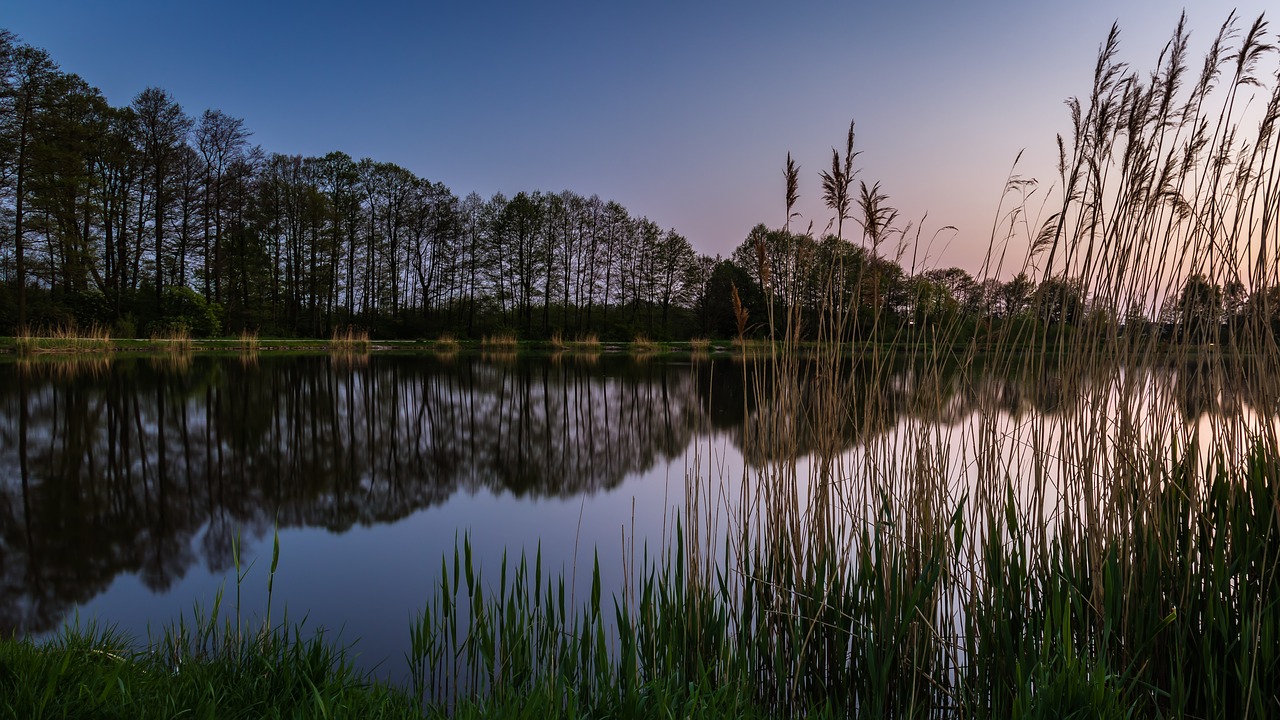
{"type": "Point", "coordinates": [682, 111]}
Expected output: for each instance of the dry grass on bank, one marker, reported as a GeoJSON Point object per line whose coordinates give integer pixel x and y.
{"type": "Point", "coordinates": [67, 338]}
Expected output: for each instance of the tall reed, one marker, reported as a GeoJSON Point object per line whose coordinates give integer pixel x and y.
{"type": "Point", "coordinates": [588, 344]}
{"type": "Point", "coordinates": [642, 345]}
{"type": "Point", "coordinates": [1091, 551]}
{"type": "Point", "coordinates": [175, 340]}
{"type": "Point", "coordinates": [67, 338]}
{"type": "Point", "coordinates": [500, 343]}
{"type": "Point", "coordinates": [351, 340]}
{"type": "Point", "coordinates": [447, 344]}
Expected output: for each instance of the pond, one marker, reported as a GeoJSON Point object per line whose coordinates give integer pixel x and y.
{"type": "Point", "coordinates": [125, 483]}
{"type": "Point", "coordinates": [128, 485]}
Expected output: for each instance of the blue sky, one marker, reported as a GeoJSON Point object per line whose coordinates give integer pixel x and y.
{"type": "Point", "coordinates": [683, 112]}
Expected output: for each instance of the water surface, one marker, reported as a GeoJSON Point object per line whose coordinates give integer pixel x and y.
{"type": "Point", "coordinates": [126, 483]}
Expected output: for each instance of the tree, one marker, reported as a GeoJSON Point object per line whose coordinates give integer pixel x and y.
{"type": "Point", "coordinates": [1015, 295]}
{"type": "Point", "coordinates": [675, 257]}
{"type": "Point", "coordinates": [715, 306]}
{"type": "Point", "coordinates": [472, 232]}
{"type": "Point", "coordinates": [25, 98]}
{"type": "Point", "coordinates": [163, 129]}
{"type": "Point", "coordinates": [221, 141]}
{"type": "Point", "coordinates": [1200, 308]}
{"type": "Point", "coordinates": [116, 168]}
{"type": "Point", "coordinates": [338, 176]}
{"type": "Point", "coordinates": [958, 283]}
{"type": "Point", "coordinates": [59, 182]}
{"type": "Point", "coordinates": [522, 219]}
{"type": "Point", "coordinates": [1060, 301]}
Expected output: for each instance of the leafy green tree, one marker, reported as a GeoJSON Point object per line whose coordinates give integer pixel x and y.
{"type": "Point", "coordinates": [1015, 295]}
{"type": "Point", "coordinates": [27, 79]}
{"type": "Point", "coordinates": [60, 183]}
{"type": "Point", "coordinates": [221, 141]}
{"type": "Point", "coordinates": [1060, 301]}
{"type": "Point", "coordinates": [162, 130]}
{"type": "Point", "coordinates": [187, 310]}
{"type": "Point", "coordinates": [715, 306]}
{"type": "Point", "coordinates": [1200, 309]}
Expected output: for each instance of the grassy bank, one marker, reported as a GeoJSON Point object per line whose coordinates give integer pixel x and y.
{"type": "Point", "coordinates": [350, 343]}
{"type": "Point", "coordinates": [95, 673]}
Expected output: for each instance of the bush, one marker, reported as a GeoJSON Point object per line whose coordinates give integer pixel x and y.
{"type": "Point", "coordinates": [184, 309]}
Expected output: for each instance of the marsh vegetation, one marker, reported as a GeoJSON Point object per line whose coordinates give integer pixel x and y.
{"type": "Point", "coordinates": [1052, 488]}
{"type": "Point", "coordinates": [1121, 561]}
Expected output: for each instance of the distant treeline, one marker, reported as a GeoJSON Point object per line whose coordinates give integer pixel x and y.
{"type": "Point", "coordinates": [144, 219]}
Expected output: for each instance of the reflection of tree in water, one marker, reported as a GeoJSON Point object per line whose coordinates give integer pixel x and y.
{"type": "Point", "coordinates": [943, 395]}
{"type": "Point", "coordinates": [1203, 387]}
{"type": "Point", "coordinates": [148, 468]}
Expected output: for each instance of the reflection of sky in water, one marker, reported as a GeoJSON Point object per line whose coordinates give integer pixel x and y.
{"type": "Point", "coordinates": [369, 583]}
{"type": "Point", "coordinates": [420, 485]}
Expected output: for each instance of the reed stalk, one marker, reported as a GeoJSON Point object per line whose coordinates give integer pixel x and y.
{"type": "Point", "coordinates": [350, 340]}
{"type": "Point", "coordinates": [641, 345]}
{"type": "Point", "coordinates": [1093, 550]}
{"type": "Point", "coordinates": [588, 344]}
{"type": "Point", "coordinates": [174, 340]}
{"type": "Point", "coordinates": [67, 338]}
{"type": "Point", "coordinates": [501, 343]}
{"type": "Point", "coordinates": [446, 344]}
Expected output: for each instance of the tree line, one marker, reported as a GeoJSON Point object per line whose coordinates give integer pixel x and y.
{"type": "Point", "coordinates": [145, 219]}
{"type": "Point", "coordinates": [144, 215]}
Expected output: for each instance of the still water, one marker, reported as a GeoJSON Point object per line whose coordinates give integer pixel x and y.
{"type": "Point", "coordinates": [126, 483]}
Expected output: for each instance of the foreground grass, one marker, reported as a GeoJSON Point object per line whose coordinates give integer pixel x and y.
{"type": "Point", "coordinates": [96, 673]}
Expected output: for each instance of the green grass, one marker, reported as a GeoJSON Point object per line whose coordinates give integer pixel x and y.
{"type": "Point", "coordinates": [96, 673]}
{"type": "Point", "coordinates": [1168, 623]}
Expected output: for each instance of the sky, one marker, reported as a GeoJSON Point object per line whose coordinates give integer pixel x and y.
{"type": "Point", "coordinates": [684, 112]}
